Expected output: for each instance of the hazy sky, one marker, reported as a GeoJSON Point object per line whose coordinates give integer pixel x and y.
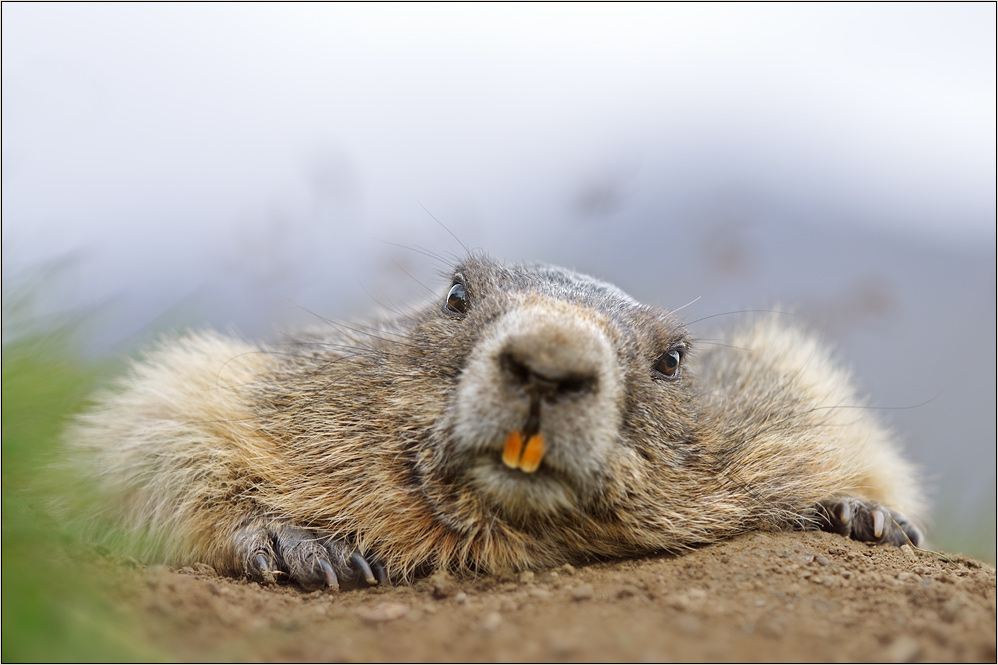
{"type": "Point", "coordinates": [166, 145]}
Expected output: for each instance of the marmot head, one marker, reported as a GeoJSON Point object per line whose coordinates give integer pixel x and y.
{"type": "Point", "coordinates": [563, 387]}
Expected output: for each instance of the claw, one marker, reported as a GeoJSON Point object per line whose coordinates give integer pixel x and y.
{"type": "Point", "coordinates": [329, 574]}
{"type": "Point", "coordinates": [866, 521]}
{"type": "Point", "coordinates": [914, 535]}
{"type": "Point", "coordinates": [360, 564]}
{"type": "Point", "coordinates": [264, 567]}
{"type": "Point", "coordinates": [878, 523]}
{"type": "Point", "coordinates": [380, 573]}
{"type": "Point", "coordinates": [277, 551]}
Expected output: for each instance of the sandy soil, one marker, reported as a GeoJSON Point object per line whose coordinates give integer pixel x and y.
{"type": "Point", "coordinates": [786, 597]}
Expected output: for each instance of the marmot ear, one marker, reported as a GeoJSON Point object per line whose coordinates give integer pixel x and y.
{"type": "Point", "coordinates": [457, 300]}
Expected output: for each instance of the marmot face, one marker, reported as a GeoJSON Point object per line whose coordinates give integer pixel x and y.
{"type": "Point", "coordinates": [551, 361]}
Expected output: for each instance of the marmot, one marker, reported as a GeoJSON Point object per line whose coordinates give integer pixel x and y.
{"type": "Point", "coordinates": [529, 417]}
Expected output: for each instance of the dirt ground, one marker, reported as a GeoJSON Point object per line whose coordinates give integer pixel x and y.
{"type": "Point", "coordinates": [762, 597]}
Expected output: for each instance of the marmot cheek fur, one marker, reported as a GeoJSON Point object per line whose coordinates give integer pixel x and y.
{"type": "Point", "coordinates": [529, 417]}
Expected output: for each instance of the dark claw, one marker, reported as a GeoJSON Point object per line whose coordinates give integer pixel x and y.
{"type": "Point", "coordinates": [360, 564]}
{"type": "Point", "coordinates": [263, 569]}
{"type": "Point", "coordinates": [867, 521]}
{"type": "Point", "coordinates": [912, 533]}
{"type": "Point", "coordinates": [254, 550]}
{"type": "Point", "coordinates": [305, 556]}
{"type": "Point", "coordinates": [330, 575]}
{"type": "Point", "coordinates": [379, 572]}
{"type": "Point", "coordinates": [844, 513]}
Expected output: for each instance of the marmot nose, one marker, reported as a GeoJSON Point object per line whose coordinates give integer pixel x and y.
{"type": "Point", "coordinates": [553, 351]}
{"type": "Point", "coordinates": [549, 383]}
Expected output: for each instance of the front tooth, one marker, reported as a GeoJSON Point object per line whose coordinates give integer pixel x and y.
{"type": "Point", "coordinates": [532, 454]}
{"type": "Point", "coordinates": [512, 450]}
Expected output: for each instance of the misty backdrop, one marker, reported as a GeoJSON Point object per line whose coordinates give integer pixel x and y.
{"type": "Point", "coordinates": [255, 167]}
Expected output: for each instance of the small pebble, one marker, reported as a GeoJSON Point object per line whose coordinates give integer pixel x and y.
{"type": "Point", "coordinates": [688, 623]}
{"type": "Point", "coordinates": [772, 628]}
{"type": "Point", "coordinates": [204, 569]}
{"type": "Point", "coordinates": [560, 648]}
{"type": "Point", "coordinates": [692, 599]}
{"type": "Point", "coordinates": [443, 584]}
{"type": "Point", "coordinates": [952, 609]}
{"type": "Point", "coordinates": [904, 649]}
{"type": "Point", "coordinates": [491, 622]}
{"type": "Point", "coordinates": [582, 592]}
{"type": "Point", "coordinates": [509, 605]}
{"type": "Point", "coordinates": [385, 612]}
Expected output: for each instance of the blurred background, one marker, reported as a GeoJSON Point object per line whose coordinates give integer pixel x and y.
{"type": "Point", "coordinates": [250, 167]}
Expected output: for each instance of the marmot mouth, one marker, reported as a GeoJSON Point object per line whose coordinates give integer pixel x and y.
{"type": "Point", "coordinates": [524, 449]}
{"type": "Point", "coordinates": [520, 495]}
{"type": "Point", "coordinates": [525, 457]}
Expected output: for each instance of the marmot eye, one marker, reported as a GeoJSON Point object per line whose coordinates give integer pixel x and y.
{"type": "Point", "coordinates": [457, 301]}
{"type": "Point", "coordinates": [668, 364]}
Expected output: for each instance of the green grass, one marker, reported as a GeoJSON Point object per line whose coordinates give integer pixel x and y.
{"type": "Point", "coordinates": [972, 535]}
{"type": "Point", "coordinates": [54, 608]}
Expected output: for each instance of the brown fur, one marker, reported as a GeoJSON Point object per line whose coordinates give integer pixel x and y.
{"type": "Point", "coordinates": [388, 439]}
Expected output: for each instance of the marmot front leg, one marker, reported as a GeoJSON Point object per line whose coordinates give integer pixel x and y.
{"type": "Point", "coordinates": [311, 560]}
{"type": "Point", "coordinates": [866, 521]}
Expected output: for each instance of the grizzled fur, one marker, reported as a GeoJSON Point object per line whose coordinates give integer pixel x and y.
{"type": "Point", "coordinates": [386, 441]}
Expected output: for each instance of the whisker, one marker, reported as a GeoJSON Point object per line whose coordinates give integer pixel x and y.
{"type": "Point", "coordinates": [365, 331]}
{"type": "Point", "coordinates": [418, 250]}
{"type": "Point", "coordinates": [391, 307]}
{"type": "Point", "coordinates": [408, 274]}
{"type": "Point", "coordinates": [687, 304]}
{"type": "Point", "coordinates": [880, 408]}
{"type": "Point", "coordinates": [714, 342]}
{"type": "Point", "coordinates": [741, 311]}
{"type": "Point", "coordinates": [453, 235]}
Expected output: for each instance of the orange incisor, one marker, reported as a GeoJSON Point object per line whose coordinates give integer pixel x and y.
{"type": "Point", "coordinates": [526, 458]}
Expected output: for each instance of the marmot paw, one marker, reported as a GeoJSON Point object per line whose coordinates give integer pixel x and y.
{"type": "Point", "coordinates": [314, 562]}
{"type": "Point", "coordinates": [867, 521]}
